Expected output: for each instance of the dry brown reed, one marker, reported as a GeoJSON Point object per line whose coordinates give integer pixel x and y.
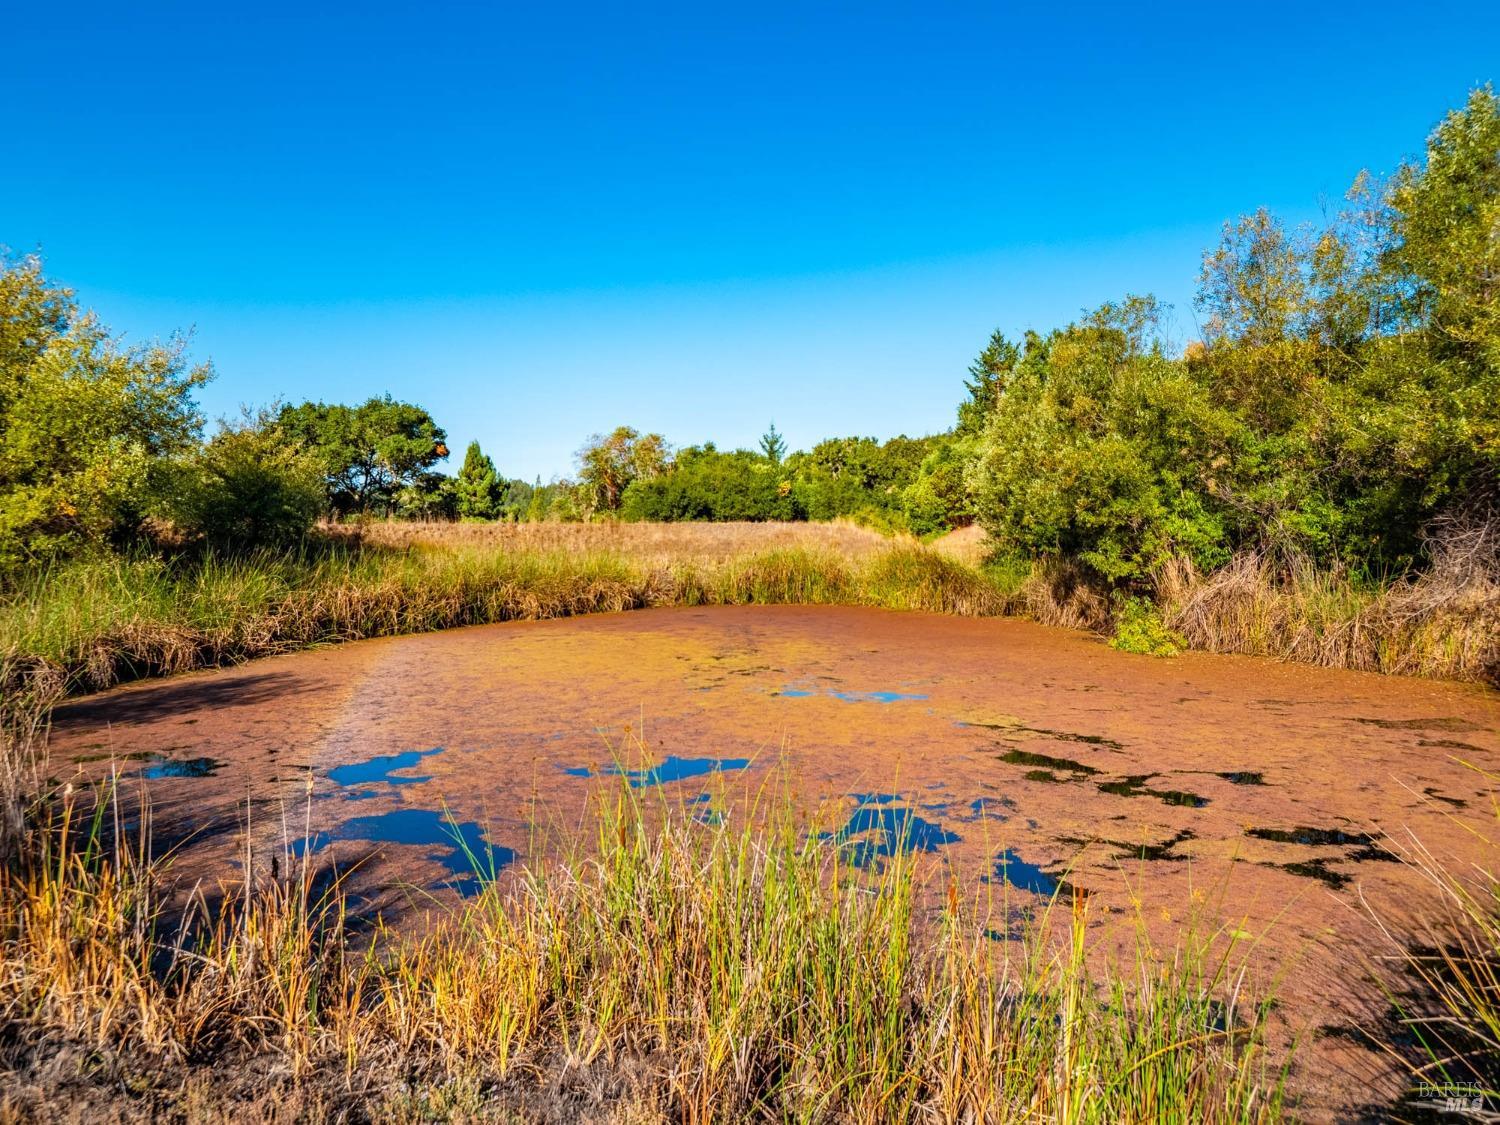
{"type": "Point", "coordinates": [1443, 623]}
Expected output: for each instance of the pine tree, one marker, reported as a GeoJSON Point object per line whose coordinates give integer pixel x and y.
{"type": "Point", "coordinates": [477, 486]}
{"type": "Point", "coordinates": [773, 445]}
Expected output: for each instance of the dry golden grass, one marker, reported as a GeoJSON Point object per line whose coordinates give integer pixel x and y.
{"type": "Point", "coordinates": [969, 545]}
{"type": "Point", "coordinates": [693, 972]}
{"type": "Point", "coordinates": [654, 542]}
{"type": "Point", "coordinates": [1443, 624]}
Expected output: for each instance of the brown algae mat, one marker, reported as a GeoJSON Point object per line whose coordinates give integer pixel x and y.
{"type": "Point", "coordinates": [1269, 799]}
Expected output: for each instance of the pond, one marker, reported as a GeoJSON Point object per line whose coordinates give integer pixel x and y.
{"type": "Point", "coordinates": [1234, 791]}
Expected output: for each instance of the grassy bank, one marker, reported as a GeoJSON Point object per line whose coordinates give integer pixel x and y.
{"type": "Point", "coordinates": [101, 621]}
{"type": "Point", "coordinates": [95, 622]}
{"type": "Point", "coordinates": [675, 971]}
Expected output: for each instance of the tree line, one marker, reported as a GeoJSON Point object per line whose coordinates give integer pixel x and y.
{"type": "Point", "coordinates": [1342, 405]}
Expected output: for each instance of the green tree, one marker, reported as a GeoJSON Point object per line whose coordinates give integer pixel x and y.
{"type": "Point", "coordinates": [248, 487]}
{"type": "Point", "coordinates": [987, 378]}
{"type": "Point", "coordinates": [1098, 448]}
{"type": "Point", "coordinates": [608, 463]}
{"type": "Point", "coordinates": [477, 487]}
{"type": "Point", "coordinates": [707, 484]}
{"type": "Point", "coordinates": [430, 495]}
{"type": "Point", "coordinates": [857, 477]}
{"type": "Point", "coordinates": [88, 427]}
{"type": "Point", "coordinates": [368, 452]}
{"type": "Point", "coordinates": [1446, 215]}
{"type": "Point", "coordinates": [536, 507]}
{"type": "Point", "coordinates": [773, 445]}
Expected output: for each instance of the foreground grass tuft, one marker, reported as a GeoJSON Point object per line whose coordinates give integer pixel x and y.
{"type": "Point", "coordinates": [1443, 982]}
{"type": "Point", "coordinates": [696, 972]}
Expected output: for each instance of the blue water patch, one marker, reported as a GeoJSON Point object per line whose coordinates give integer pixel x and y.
{"type": "Point", "coordinates": [704, 812]}
{"type": "Point", "coordinates": [791, 692]}
{"type": "Point", "coordinates": [379, 769]}
{"type": "Point", "coordinates": [874, 696]}
{"type": "Point", "coordinates": [460, 845]}
{"type": "Point", "coordinates": [879, 828]}
{"type": "Point", "coordinates": [1011, 868]}
{"type": "Point", "coordinates": [672, 768]}
{"type": "Point", "coordinates": [161, 767]}
{"type": "Point", "coordinates": [989, 808]}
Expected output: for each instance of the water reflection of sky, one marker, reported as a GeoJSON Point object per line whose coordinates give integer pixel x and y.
{"type": "Point", "coordinates": [671, 768]}
{"type": "Point", "coordinates": [881, 826]}
{"type": "Point", "coordinates": [805, 689]}
{"type": "Point", "coordinates": [459, 846]}
{"type": "Point", "coordinates": [372, 771]}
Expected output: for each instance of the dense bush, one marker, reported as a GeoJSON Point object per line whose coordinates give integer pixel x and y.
{"type": "Point", "coordinates": [705, 484]}
{"type": "Point", "coordinates": [88, 425]}
{"type": "Point", "coordinates": [248, 487]}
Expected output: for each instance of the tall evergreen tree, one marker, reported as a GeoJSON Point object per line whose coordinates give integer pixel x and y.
{"type": "Point", "coordinates": [987, 378]}
{"type": "Point", "coordinates": [773, 445]}
{"type": "Point", "coordinates": [477, 486]}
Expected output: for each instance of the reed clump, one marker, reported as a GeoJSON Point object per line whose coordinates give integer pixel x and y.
{"type": "Point", "coordinates": [1444, 622]}
{"type": "Point", "coordinates": [672, 970]}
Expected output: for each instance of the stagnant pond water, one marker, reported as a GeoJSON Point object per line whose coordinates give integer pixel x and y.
{"type": "Point", "coordinates": [1264, 796]}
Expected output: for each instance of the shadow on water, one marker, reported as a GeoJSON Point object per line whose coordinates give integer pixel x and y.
{"type": "Point", "coordinates": [1045, 732]}
{"type": "Point", "coordinates": [1135, 786]}
{"type": "Point", "coordinates": [1450, 725]}
{"type": "Point", "coordinates": [989, 808]}
{"type": "Point", "coordinates": [1313, 837]}
{"type": "Point", "coordinates": [379, 769]}
{"type": "Point", "coordinates": [881, 826]}
{"type": "Point", "coordinates": [162, 767]}
{"type": "Point", "coordinates": [1360, 847]}
{"type": "Point", "coordinates": [172, 699]}
{"type": "Point", "coordinates": [1150, 853]}
{"type": "Point", "coordinates": [1456, 802]}
{"type": "Point", "coordinates": [460, 845]}
{"type": "Point", "coordinates": [1451, 744]}
{"type": "Point", "coordinates": [1046, 762]}
{"type": "Point", "coordinates": [1243, 777]}
{"type": "Point", "coordinates": [671, 768]}
{"type": "Point", "coordinates": [1011, 869]}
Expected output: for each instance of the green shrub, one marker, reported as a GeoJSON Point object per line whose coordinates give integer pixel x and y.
{"type": "Point", "coordinates": [1139, 628]}
{"type": "Point", "coordinates": [248, 487]}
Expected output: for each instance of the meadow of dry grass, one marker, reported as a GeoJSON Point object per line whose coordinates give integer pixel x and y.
{"type": "Point", "coordinates": [1443, 623]}
{"type": "Point", "coordinates": [653, 542]}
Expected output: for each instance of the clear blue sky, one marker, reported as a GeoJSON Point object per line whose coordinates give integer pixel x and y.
{"type": "Point", "coordinates": [541, 221]}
